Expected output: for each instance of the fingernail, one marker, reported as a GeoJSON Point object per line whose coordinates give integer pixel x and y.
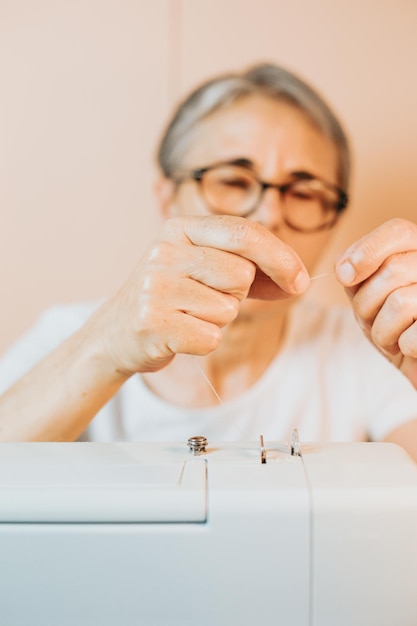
{"type": "Point", "coordinates": [346, 273]}
{"type": "Point", "coordinates": [301, 282]}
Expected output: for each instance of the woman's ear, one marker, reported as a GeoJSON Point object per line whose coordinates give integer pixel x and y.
{"type": "Point", "coordinates": [164, 190]}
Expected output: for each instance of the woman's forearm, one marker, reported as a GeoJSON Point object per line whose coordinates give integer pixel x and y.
{"type": "Point", "coordinates": [56, 400]}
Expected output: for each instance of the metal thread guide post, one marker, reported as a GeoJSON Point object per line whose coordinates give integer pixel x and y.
{"type": "Point", "coordinates": [263, 451]}
{"type": "Point", "coordinates": [295, 443]}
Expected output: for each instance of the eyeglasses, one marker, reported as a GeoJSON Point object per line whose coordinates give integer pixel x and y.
{"type": "Point", "coordinates": [308, 204]}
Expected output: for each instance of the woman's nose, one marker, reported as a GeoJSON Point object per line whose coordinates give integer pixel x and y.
{"type": "Point", "coordinates": [270, 210]}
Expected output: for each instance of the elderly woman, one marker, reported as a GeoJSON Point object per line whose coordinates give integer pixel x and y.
{"type": "Point", "coordinates": [210, 334]}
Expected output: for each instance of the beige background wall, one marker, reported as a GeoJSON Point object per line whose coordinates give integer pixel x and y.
{"type": "Point", "coordinates": [86, 86]}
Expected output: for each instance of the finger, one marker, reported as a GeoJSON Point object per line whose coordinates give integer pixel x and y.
{"type": "Point", "coordinates": [264, 288]}
{"type": "Point", "coordinates": [220, 270]}
{"type": "Point", "coordinates": [252, 283]}
{"type": "Point", "coordinates": [407, 341]}
{"type": "Point", "coordinates": [204, 303]}
{"type": "Point", "coordinates": [249, 240]}
{"type": "Point", "coordinates": [365, 256]}
{"type": "Point", "coordinates": [168, 262]}
{"type": "Point", "coordinates": [185, 334]}
{"type": "Point", "coordinates": [164, 292]}
{"type": "Point", "coordinates": [396, 316]}
{"type": "Point", "coordinates": [395, 273]}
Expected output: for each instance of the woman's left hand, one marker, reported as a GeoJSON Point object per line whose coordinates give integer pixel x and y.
{"type": "Point", "coordinates": [379, 273]}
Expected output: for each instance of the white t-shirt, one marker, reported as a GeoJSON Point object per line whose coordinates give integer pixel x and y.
{"type": "Point", "coordinates": [328, 381]}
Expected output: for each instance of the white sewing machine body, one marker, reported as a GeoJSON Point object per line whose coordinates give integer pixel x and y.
{"type": "Point", "coordinates": [127, 534]}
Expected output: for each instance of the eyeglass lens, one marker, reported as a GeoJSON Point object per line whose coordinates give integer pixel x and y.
{"type": "Point", "coordinates": [234, 190]}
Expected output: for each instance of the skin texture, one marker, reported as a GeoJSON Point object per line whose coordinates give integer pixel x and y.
{"type": "Point", "coordinates": [380, 276]}
{"type": "Point", "coordinates": [379, 273]}
{"type": "Point", "coordinates": [216, 287]}
{"type": "Point", "coordinates": [278, 140]}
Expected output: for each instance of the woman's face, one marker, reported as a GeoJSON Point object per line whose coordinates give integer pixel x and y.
{"type": "Point", "coordinates": [279, 141]}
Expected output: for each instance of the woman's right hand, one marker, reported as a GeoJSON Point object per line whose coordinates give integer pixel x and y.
{"type": "Point", "coordinates": [190, 284]}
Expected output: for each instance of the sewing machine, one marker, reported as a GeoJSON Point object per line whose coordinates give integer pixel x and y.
{"type": "Point", "coordinates": [211, 534]}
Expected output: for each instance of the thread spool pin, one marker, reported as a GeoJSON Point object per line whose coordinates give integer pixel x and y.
{"type": "Point", "coordinates": [197, 444]}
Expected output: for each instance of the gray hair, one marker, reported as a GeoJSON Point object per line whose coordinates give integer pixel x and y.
{"type": "Point", "coordinates": [264, 79]}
